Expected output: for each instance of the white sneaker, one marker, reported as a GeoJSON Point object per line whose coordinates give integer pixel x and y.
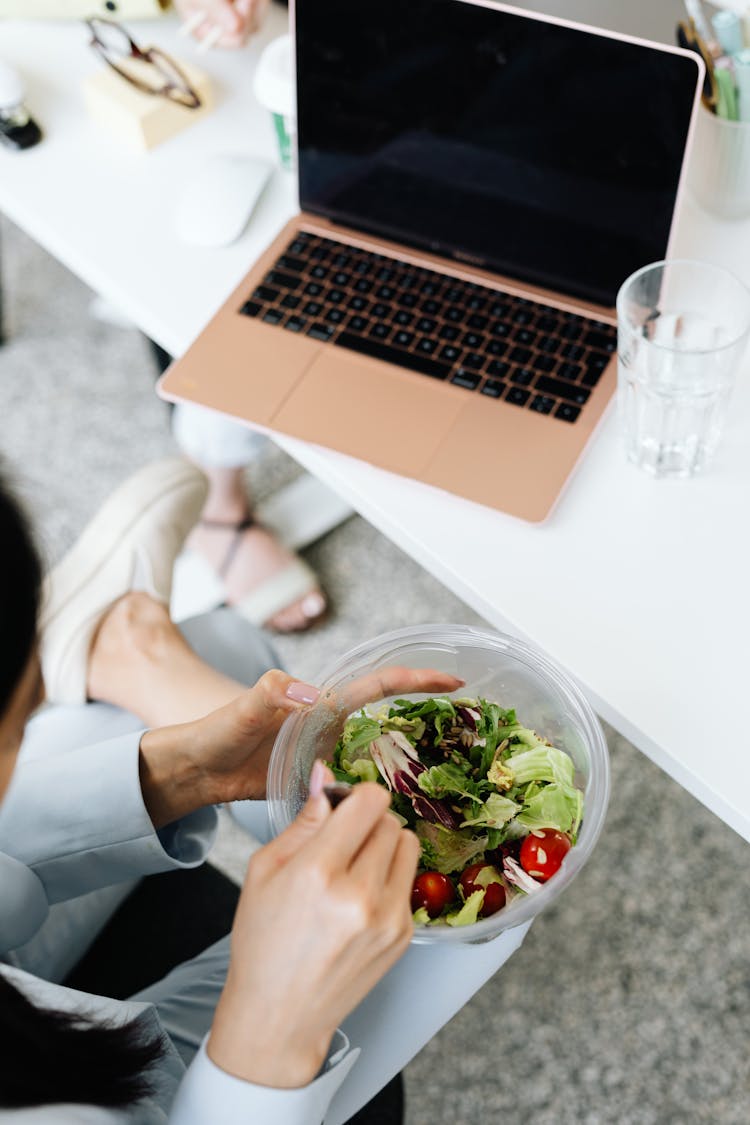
{"type": "Point", "coordinates": [130, 544]}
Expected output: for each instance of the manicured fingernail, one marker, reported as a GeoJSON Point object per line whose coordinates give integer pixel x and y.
{"type": "Point", "coordinates": [317, 778]}
{"type": "Point", "coordinates": [302, 693]}
{"type": "Point", "coordinates": [313, 605]}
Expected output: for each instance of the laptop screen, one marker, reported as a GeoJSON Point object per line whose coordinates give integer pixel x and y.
{"type": "Point", "coordinates": [548, 153]}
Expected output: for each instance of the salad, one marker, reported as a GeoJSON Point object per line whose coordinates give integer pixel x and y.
{"type": "Point", "coordinates": [494, 804]}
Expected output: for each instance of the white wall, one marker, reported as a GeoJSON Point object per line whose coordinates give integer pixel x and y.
{"type": "Point", "coordinates": [651, 19]}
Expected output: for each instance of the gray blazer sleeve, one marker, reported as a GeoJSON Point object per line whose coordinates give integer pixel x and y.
{"type": "Point", "coordinates": [78, 820]}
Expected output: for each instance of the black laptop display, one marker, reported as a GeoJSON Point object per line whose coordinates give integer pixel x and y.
{"type": "Point", "coordinates": [540, 151]}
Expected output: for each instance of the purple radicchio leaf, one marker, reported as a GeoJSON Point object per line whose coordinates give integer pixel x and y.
{"type": "Point", "coordinates": [516, 875]}
{"type": "Point", "coordinates": [469, 716]}
{"type": "Point", "coordinates": [400, 767]}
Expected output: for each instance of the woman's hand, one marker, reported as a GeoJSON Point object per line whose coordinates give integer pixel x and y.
{"type": "Point", "coordinates": [224, 756]}
{"type": "Point", "coordinates": [236, 19]}
{"type": "Point", "coordinates": [324, 913]}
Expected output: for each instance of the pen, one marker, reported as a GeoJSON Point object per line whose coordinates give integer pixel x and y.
{"type": "Point", "coordinates": [726, 106]}
{"type": "Point", "coordinates": [742, 74]}
{"type": "Point", "coordinates": [728, 31]}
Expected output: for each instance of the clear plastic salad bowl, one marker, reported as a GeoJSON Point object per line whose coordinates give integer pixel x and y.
{"type": "Point", "coordinates": [496, 667]}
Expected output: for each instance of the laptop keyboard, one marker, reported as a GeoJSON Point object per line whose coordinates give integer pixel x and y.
{"type": "Point", "coordinates": [484, 340]}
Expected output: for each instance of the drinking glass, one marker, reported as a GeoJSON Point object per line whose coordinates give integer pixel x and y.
{"type": "Point", "coordinates": [682, 330]}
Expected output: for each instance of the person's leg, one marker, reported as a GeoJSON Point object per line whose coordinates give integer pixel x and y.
{"type": "Point", "coordinates": [249, 559]}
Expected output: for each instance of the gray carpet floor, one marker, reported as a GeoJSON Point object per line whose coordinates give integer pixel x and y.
{"type": "Point", "coordinates": [629, 1002]}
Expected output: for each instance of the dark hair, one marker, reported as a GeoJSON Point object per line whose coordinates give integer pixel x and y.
{"type": "Point", "coordinates": [46, 1056]}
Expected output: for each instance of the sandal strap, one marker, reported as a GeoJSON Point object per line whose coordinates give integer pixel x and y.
{"type": "Point", "coordinates": [239, 527]}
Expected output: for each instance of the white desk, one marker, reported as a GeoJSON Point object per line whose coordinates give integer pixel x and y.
{"type": "Point", "coordinates": [637, 587]}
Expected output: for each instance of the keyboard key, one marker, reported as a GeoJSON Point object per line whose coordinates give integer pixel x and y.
{"type": "Point", "coordinates": [517, 396]}
{"type": "Point", "coordinates": [335, 316]}
{"type": "Point", "coordinates": [569, 371]}
{"type": "Point", "coordinates": [430, 307]}
{"type": "Point", "coordinates": [319, 271]}
{"type": "Point", "coordinates": [522, 377]}
{"type": "Point", "coordinates": [478, 323]}
{"type": "Point", "coordinates": [273, 316]}
{"type": "Point", "coordinates": [340, 278]}
{"type": "Point", "coordinates": [426, 324]}
{"type": "Point", "coordinates": [427, 345]}
{"type": "Point", "coordinates": [595, 367]}
{"type": "Point", "coordinates": [497, 347]}
{"type": "Point", "coordinates": [251, 308]}
{"type": "Point", "coordinates": [266, 293]}
{"type": "Point", "coordinates": [403, 318]}
{"type": "Point", "coordinates": [409, 300]}
{"type": "Point", "coordinates": [468, 379]}
{"type": "Point", "coordinates": [473, 360]}
{"type": "Point", "coordinates": [429, 289]}
{"type": "Point", "coordinates": [284, 280]}
{"type": "Point", "coordinates": [380, 311]}
{"type": "Point", "coordinates": [342, 259]}
{"type": "Point", "coordinates": [403, 339]}
{"type": "Point", "coordinates": [295, 323]}
{"type": "Point", "coordinates": [290, 301]}
{"type": "Point", "coordinates": [498, 369]}
{"type": "Point", "coordinates": [320, 331]}
{"type": "Point", "coordinates": [385, 292]}
{"type": "Point", "coordinates": [493, 388]}
{"type": "Point", "coordinates": [336, 296]}
{"type": "Point", "coordinates": [544, 363]}
{"type": "Point", "coordinates": [525, 336]}
{"type": "Point", "coordinates": [425, 365]}
{"type": "Point", "coordinates": [500, 328]}
{"type": "Point", "coordinates": [520, 355]}
{"type": "Point", "coordinates": [548, 344]}
{"type": "Point", "coordinates": [548, 323]}
{"type": "Point", "coordinates": [600, 341]}
{"type": "Point", "coordinates": [385, 274]}
{"type": "Point", "coordinates": [499, 308]}
{"type": "Point", "coordinates": [572, 329]}
{"type": "Point", "coordinates": [363, 267]}
{"type": "Point", "coordinates": [312, 308]}
{"type": "Point", "coordinates": [522, 316]}
{"type": "Point", "coordinates": [542, 404]}
{"type": "Point", "coordinates": [363, 286]}
{"type": "Point", "coordinates": [454, 313]}
{"type": "Point", "coordinates": [358, 304]}
{"type": "Point", "coordinates": [572, 351]}
{"type": "Point", "coordinates": [473, 340]}
{"type": "Point", "coordinates": [567, 412]}
{"type": "Point", "coordinates": [448, 332]}
{"type": "Point", "coordinates": [358, 323]}
{"type": "Point", "coordinates": [558, 387]}
{"type": "Point", "coordinates": [476, 303]}
{"type": "Point", "coordinates": [313, 289]}
{"type": "Point", "coordinates": [380, 331]}
{"type": "Point", "coordinates": [297, 247]}
{"type": "Point", "coordinates": [450, 353]}
{"type": "Point", "coordinates": [296, 265]}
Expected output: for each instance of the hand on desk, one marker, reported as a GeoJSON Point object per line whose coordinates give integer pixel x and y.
{"type": "Point", "coordinates": [229, 23]}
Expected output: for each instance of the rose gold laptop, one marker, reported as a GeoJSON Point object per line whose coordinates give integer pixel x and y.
{"type": "Point", "coordinates": [475, 183]}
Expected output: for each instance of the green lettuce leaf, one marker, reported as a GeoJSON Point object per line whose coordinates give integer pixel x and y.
{"type": "Point", "coordinates": [447, 850]}
{"type": "Point", "coordinates": [421, 917]}
{"type": "Point", "coordinates": [364, 769]}
{"type": "Point", "coordinates": [439, 781]}
{"type": "Point", "coordinates": [469, 912]}
{"type": "Point", "coordinates": [542, 763]}
{"type": "Point", "coordinates": [493, 813]}
{"type": "Point", "coordinates": [553, 806]}
{"type": "Point", "coordinates": [359, 731]}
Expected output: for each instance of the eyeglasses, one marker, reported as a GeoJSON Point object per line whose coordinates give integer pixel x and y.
{"type": "Point", "coordinates": [148, 69]}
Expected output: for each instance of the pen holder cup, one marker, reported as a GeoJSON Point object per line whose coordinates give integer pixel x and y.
{"type": "Point", "coordinates": [719, 171]}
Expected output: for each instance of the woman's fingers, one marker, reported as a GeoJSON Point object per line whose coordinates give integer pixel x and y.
{"type": "Point", "coordinates": [372, 864]}
{"type": "Point", "coordinates": [272, 698]}
{"type": "Point", "coordinates": [389, 681]}
{"type": "Point", "coordinates": [351, 825]}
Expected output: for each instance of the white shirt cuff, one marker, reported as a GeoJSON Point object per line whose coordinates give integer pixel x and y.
{"type": "Point", "coordinates": [208, 1093]}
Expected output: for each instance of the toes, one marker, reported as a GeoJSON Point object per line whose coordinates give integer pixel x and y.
{"type": "Point", "coordinates": [300, 615]}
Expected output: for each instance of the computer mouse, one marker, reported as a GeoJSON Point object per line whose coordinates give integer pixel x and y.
{"type": "Point", "coordinates": [215, 205]}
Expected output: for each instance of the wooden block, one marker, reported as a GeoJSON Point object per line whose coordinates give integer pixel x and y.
{"type": "Point", "coordinates": [143, 121]}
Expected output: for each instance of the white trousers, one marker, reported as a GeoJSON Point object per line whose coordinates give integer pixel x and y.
{"type": "Point", "coordinates": [213, 440]}
{"type": "Point", "coordinates": [186, 998]}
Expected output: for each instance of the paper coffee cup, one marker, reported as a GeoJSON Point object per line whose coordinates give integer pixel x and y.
{"type": "Point", "coordinates": [274, 88]}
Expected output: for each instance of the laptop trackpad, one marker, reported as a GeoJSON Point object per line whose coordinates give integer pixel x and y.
{"type": "Point", "coordinates": [370, 410]}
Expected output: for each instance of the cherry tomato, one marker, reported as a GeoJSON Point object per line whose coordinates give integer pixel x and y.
{"type": "Point", "coordinates": [432, 891]}
{"type": "Point", "coordinates": [494, 892]}
{"type": "Point", "coordinates": [542, 853]}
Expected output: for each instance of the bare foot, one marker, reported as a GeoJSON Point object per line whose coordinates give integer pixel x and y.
{"type": "Point", "coordinates": [258, 556]}
{"type": "Point", "coordinates": [139, 660]}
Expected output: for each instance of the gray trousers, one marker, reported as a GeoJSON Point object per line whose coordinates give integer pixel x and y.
{"type": "Point", "coordinates": [186, 998]}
